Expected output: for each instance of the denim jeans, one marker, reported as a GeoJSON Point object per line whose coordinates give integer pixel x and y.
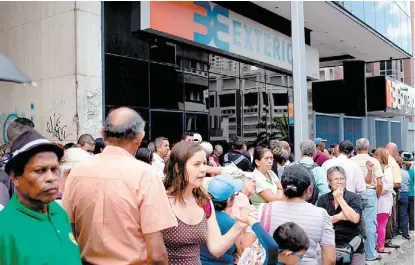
{"type": "Point", "coordinates": [403, 213]}
{"type": "Point", "coordinates": [370, 214]}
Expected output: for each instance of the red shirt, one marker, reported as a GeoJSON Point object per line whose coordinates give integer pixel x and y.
{"type": "Point", "coordinates": [320, 158]}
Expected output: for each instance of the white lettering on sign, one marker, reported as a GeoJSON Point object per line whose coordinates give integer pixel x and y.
{"type": "Point", "coordinates": [401, 96]}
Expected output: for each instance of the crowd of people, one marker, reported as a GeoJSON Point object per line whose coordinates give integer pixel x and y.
{"type": "Point", "coordinates": [117, 200]}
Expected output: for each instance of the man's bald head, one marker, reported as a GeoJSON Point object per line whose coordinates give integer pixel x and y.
{"type": "Point", "coordinates": [123, 124]}
{"type": "Point", "coordinates": [392, 148]}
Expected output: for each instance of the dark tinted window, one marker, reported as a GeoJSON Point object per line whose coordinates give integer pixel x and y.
{"type": "Point", "coordinates": [126, 81]}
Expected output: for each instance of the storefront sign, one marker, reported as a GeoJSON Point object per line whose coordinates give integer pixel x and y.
{"type": "Point", "coordinates": [400, 97]}
{"type": "Point", "coordinates": [209, 24]}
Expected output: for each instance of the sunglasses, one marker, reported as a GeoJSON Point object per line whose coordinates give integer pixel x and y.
{"type": "Point", "coordinates": [292, 252]}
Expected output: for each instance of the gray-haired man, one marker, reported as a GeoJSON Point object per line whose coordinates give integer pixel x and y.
{"type": "Point", "coordinates": [162, 146]}
{"type": "Point", "coordinates": [308, 150]}
{"type": "Point", "coordinates": [373, 173]}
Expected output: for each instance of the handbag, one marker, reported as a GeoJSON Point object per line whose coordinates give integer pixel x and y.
{"type": "Point", "coordinates": [345, 253]}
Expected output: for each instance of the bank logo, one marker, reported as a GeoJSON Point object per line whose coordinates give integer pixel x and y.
{"type": "Point", "coordinates": [212, 24]}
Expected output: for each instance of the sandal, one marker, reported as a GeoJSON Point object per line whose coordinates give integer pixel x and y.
{"type": "Point", "coordinates": [383, 251]}
{"type": "Point", "coordinates": [379, 257]}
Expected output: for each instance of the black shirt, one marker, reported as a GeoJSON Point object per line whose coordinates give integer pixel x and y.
{"type": "Point", "coordinates": [344, 231]}
{"type": "Point", "coordinates": [243, 162]}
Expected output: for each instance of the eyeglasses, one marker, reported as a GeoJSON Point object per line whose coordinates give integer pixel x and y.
{"type": "Point", "coordinates": [339, 180]}
{"type": "Point", "coordinates": [292, 252]}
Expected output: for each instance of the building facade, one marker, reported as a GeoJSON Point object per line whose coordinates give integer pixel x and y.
{"type": "Point", "coordinates": [394, 21]}
{"type": "Point", "coordinates": [221, 69]}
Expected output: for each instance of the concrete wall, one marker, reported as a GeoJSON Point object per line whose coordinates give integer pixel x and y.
{"type": "Point", "coordinates": [58, 45]}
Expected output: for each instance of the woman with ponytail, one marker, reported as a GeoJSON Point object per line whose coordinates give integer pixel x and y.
{"type": "Point", "coordinates": [293, 208]}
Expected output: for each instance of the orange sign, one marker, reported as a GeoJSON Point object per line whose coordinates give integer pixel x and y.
{"type": "Point", "coordinates": [290, 110]}
{"type": "Point", "coordinates": [390, 88]}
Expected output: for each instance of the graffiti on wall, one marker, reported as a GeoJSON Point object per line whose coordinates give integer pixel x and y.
{"type": "Point", "coordinates": [55, 127]}
{"type": "Point", "coordinates": [9, 117]}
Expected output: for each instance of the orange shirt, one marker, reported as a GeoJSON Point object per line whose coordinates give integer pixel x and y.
{"type": "Point", "coordinates": [113, 199]}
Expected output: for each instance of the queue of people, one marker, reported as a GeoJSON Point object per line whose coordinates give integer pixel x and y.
{"type": "Point", "coordinates": [115, 200]}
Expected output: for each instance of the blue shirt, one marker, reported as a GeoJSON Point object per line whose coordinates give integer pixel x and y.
{"type": "Point", "coordinates": [405, 181]}
{"type": "Point", "coordinates": [411, 185]}
{"type": "Point", "coordinates": [320, 176]}
{"type": "Point", "coordinates": [225, 223]}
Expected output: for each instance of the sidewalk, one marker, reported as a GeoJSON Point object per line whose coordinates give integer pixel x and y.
{"type": "Point", "coordinates": [386, 258]}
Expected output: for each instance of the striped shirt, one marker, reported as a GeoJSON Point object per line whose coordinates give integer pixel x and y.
{"type": "Point", "coordinates": [315, 221]}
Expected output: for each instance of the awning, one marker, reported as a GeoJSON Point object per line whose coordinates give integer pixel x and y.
{"type": "Point", "coordinates": [10, 73]}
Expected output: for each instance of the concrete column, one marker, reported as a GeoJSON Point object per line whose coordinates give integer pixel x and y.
{"type": "Point", "coordinates": [89, 67]}
{"type": "Point", "coordinates": [299, 76]}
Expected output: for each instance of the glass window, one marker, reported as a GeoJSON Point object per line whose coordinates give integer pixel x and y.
{"type": "Point", "coordinates": [380, 18]}
{"type": "Point", "coordinates": [409, 35]}
{"type": "Point", "coordinates": [161, 120]}
{"type": "Point", "coordinates": [251, 99]}
{"type": "Point", "coordinates": [227, 100]}
{"type": "Point", "coordinates": [405, 31]}
{"type": "Point", "coordinates": [126, 82]}
{"type": "Point", "coordinates": [197, 122]}
{"type": "Point", "coordinates": [347, 5]}
{"type": "Point", "coordinates": [390, 8]}
{"type": "Point", "coordinates": [223, 66]}
{"type": "Point", "coordinates": [358, 9]}
{"type": "Point", "coordinates": [166, 92]}
{"type": "Point", "coordinates": [370, 13]}
{"type": "Point", "coordinates": [397, 30]}
{"type": "Point", "coordinates": [119, 39]}
{"type": "Point", "coordinates": [280, 99]}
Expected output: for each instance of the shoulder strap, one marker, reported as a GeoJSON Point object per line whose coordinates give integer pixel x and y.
{"type": "Point", "coordinates": [208, 209]}
{"type": "Point", "coordinates": [266, 216]}
{"type": "Point", "coordinates": [239, 159]}
{"type": "Point", "coordinates": [226, 158]}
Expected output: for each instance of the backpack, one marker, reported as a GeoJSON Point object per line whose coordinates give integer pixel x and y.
{"type": "Point", "coordinates": [313, 189]}
{"type": "Point", "coordinates": [234, 158]}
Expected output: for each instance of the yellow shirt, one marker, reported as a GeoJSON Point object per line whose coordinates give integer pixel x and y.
{"type": "Point", "coordinates": [396, 170]}
{"type": "Point", "coordinates": [361, 160]}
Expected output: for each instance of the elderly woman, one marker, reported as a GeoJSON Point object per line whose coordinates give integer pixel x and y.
{"type": "Point", "coordinates": [70, 158]}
